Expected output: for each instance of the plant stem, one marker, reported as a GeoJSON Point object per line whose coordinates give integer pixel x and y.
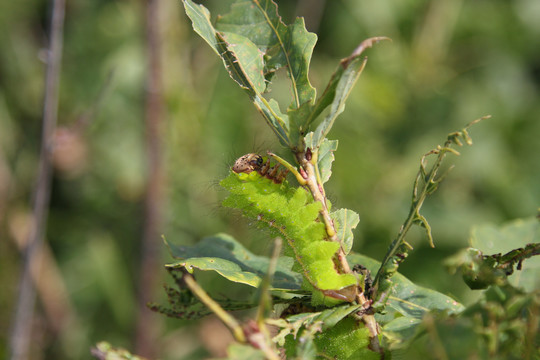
{"type": "Point", "coordinates": [429, 183]}
{"type": "Point", "coordinates": [317, 190]}
{"type": "Point", "coordinates": [147, 326]}
{"type": "Point", "coordinates": [22, 323]}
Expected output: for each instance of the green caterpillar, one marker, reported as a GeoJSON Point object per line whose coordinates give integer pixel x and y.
{"type": "Point", "coordinates": [261, 192]}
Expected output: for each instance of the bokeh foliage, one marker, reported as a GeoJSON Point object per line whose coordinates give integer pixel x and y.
{"type": "Point", "coordinates": [449, 62]}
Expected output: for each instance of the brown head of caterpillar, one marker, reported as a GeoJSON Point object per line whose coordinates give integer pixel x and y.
{"type": "Point", "coordinates": [255, 162]}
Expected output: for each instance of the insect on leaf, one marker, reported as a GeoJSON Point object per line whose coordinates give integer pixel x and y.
{"type": "Point", "coordinates": [292, 214]}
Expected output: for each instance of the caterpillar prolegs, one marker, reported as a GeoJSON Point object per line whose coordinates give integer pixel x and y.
{"type": "Point", "coordinates": [262, 193]}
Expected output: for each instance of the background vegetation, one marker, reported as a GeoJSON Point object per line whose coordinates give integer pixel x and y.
{"type": "Point", "coordinates": [449, 63]}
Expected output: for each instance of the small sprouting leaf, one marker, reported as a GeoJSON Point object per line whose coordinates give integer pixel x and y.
{"type": "Point", "coordinates": [422, 222]}
{"type": "Point", "coordinates": [346, 220]}
{"type": "Point", "coordinates": [224, 255]}
{"type": "Point", "coordinates": [326, 157]}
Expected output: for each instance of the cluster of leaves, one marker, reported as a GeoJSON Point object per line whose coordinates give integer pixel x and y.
{"type": "Point", "coordinates": [253, 43]}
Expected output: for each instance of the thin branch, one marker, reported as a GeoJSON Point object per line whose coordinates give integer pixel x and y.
{"type": "Point", "coordinates": [150, 242]}
{"type": "Point", "coordinates": [24, 313]}
{"type": "Point", "coordinates": [425, 184]}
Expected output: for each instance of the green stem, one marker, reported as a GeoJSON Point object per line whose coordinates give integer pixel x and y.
{"type": "Point", "coordinates": [315, 186]}
{"type": "Point", "coordinates": [227, 319]}
{"type": "Point", "coordinates": [289, 167]}
{"type": "Point", "coordinates": [419, 195]}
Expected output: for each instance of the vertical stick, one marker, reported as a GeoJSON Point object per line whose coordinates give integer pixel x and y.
{"type": "Point", "coordinates": [149, 269]}
{"type": "Point", "coordinates": [22, 323]}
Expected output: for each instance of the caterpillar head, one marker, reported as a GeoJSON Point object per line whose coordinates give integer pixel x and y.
{"type": "Point", "coordinates": [254, 162]}
{"type": "Point", "coordinates": [248, 163]}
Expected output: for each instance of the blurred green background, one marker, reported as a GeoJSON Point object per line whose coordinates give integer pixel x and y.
{"type": "Point", "coordinates": [450, 62]}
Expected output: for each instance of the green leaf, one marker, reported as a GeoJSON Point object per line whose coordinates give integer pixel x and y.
{"type": "Point", "coordinates": [224, 255]}
{"type": "Point", "coordinates": [492, 239]}
{"type": "Point", "coordinates": [407, 298]}
{"type": "Point", "coordinates": [246, 64]}
{"type": "Point", "coordinates": [338, 90]}
{"type": "Point", "coordinates": [326, 157]}
{"type": "Point", "coordinates": [225, 268]}
{"type": "Point", "coordinates": [346, 220]}
{"type": "Point", "coordinates": [400, 330]}
{"type": "Point", "coordinates": [325, 154]}
{"type": "Point", "coordinates": [336, 94]}
{"type": "Point", "coordinates": [407, 304]}
{"type": "Point", "coordinates": [283, 46]}
{"type": "Point", "coordinates": [243, 61]}
{"type": "Point", "coordinates": [241, 57]}
{"type": "Point", "coordinates": [328, 318]}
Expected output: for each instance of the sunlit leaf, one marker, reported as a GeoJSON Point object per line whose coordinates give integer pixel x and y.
{"type": "Point", "coordinates": [224, 255]}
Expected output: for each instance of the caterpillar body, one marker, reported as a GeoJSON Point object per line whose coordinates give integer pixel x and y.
{"type": "Point", "coordinates": [262, 193]}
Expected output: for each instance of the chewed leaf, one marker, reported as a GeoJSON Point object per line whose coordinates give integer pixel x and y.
{"type": "Point", "coordinates": [346, 220]}
{"type": "Point", "coordinates": [244, 62]}
{"type": "Point", "coordinates": [288, 46]}
{"type": "Point", "coordinates": [248, 61]}
{"type": "Point", "coordinates": [223, 254]}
